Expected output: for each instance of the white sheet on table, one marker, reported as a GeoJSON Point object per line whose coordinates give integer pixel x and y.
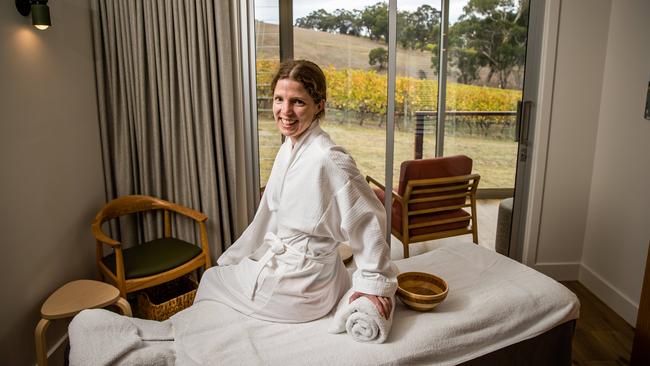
{"type": "Point", "coordinates": [493, 302]}
{"type": "Point", "coordinates": [100, 337]}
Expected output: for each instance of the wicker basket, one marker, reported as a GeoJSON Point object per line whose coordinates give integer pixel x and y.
{"type": "Point", "coordinates": [162, 301]}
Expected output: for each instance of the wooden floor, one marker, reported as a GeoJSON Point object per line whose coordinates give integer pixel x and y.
{"type": "Point", "coordinates": [601, 337]}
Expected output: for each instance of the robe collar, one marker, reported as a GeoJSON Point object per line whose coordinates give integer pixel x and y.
{"type": "Point", "coordinates": [311, 130]}
{"type": "Point", "coordinates": [294, 152]}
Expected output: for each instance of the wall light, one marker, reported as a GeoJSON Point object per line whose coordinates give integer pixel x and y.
{"type": "Point", "coordinates": [40, 12]}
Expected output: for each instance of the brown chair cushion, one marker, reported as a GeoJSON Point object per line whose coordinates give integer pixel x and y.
{"type": "Point", "coordinates": [154, 257]}
{"type": "Point", "coordinates": [430, 217]}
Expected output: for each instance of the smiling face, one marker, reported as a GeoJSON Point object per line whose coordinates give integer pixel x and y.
{"type": "Point", "coordinates": [294, 109]}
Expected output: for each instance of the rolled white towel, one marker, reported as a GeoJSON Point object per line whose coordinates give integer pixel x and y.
{"type": "Point", "coordinates": [361, 320]}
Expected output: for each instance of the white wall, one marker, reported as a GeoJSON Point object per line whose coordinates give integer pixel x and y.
{"type": "Point", "coordinates": [51, 166]}
{"type": "Point", "coordinates": [594, 223]}
{"type": "Point", "coordinates": [618, 221]}
{"type": "Point", "coordinates": [580, 59]}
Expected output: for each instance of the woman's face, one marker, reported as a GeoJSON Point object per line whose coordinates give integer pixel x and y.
{"type": "Point", "coordinates": [293, 108]}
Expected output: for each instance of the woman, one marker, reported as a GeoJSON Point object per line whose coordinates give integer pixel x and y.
{"type": "Point", "coordinates": [285, 267]}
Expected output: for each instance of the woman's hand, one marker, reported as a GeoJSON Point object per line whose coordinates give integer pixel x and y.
{"type": "Point", "coordinates": [382, 303]}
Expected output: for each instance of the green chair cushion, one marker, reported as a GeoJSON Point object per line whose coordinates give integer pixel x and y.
{"type": "Point", "coordinates": [154, 257]}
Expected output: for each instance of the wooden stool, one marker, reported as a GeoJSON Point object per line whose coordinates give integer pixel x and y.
{"type": "Point", "coordinates": [69, 300]}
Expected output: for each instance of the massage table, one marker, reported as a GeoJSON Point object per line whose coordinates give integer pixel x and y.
{"type": "Point", "coordinates": [498, 312]}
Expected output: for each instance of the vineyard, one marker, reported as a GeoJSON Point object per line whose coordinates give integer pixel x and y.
{"type": "Point", "coordinates": [363, 92]}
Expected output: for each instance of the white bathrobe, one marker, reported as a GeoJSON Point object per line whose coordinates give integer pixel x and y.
{"type": "Point", "coordinates": [285, 267]}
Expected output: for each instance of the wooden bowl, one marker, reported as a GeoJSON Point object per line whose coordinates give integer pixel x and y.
{"type": "Point", "coordinates": [421, 291]}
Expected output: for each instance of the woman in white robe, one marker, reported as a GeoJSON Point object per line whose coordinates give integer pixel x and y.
{"type": "Point", "coordinates": [285, 267]}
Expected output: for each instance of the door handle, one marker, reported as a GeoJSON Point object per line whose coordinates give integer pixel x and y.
{"type": "Point", "coordinates": [523, 121]}
{"type": "Point", "coordinates": [518, 121]}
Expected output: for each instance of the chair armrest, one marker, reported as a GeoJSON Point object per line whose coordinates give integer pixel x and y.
{"type": "Point", "coordinates": [199, 217]}
{"type": "Point", "coordinates": [374, 181]}
{"type": "Point", "coordinates": [445, 180]}
{"type": "Point", "coordinates": [103, 238]}
{"type": "Point", "coordinates": [186, 211]}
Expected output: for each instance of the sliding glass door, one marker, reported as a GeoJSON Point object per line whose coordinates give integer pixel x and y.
{"type": "Point", "coordinates": [460, 67]}
{"type": "Point", "coordinates": [486, 45]}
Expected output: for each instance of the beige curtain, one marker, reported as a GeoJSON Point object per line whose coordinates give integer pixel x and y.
{"type": "Point", "coordinates": [170, 109]}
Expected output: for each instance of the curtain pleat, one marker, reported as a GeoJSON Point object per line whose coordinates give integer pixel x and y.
{"type": "Point", "coordinates": [169, 92]}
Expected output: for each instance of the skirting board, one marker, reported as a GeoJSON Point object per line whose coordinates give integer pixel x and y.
{"type": "Point", "coordinates": [569, 271]}
{"type": "Point", "coordinates": [609, 294]}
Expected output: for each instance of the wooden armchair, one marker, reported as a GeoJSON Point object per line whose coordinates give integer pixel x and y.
{"type": "Point", "coordinates": [156, 261]}
{"type": "Point", "coordinates": [430, 199]}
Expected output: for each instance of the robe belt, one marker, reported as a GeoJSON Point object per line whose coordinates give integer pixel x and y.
{"type": "Point", "coordinates": [278, 247]}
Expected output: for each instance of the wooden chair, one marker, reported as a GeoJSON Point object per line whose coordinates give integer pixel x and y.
{"type": "Point", "coordinates": [156, 261]}
{"type": "Point", "coordinates": [430, 199]}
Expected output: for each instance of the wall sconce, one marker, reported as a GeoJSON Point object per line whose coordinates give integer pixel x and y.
{"type": "Point", "coordinates": [40, 12]}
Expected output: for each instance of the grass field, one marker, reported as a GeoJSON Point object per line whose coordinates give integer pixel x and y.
{"type": "Point", "coordinates": [494, 159]}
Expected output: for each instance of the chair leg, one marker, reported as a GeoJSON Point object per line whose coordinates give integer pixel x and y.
{"type": "Point", "coordinates": [474, 234]}
{"type": "Point", "coordinates": [200, 271]}
{"type": "Point", "coordinates": [124, 306]}
{"type": "Point", "coordinates": [39, 337]}
{"type": "Point", "coordinates": [406, 250]}
{"type": "Point", "coordinates": [474, 221]}
{"type": "Point", "coordinates": [122, 287]}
